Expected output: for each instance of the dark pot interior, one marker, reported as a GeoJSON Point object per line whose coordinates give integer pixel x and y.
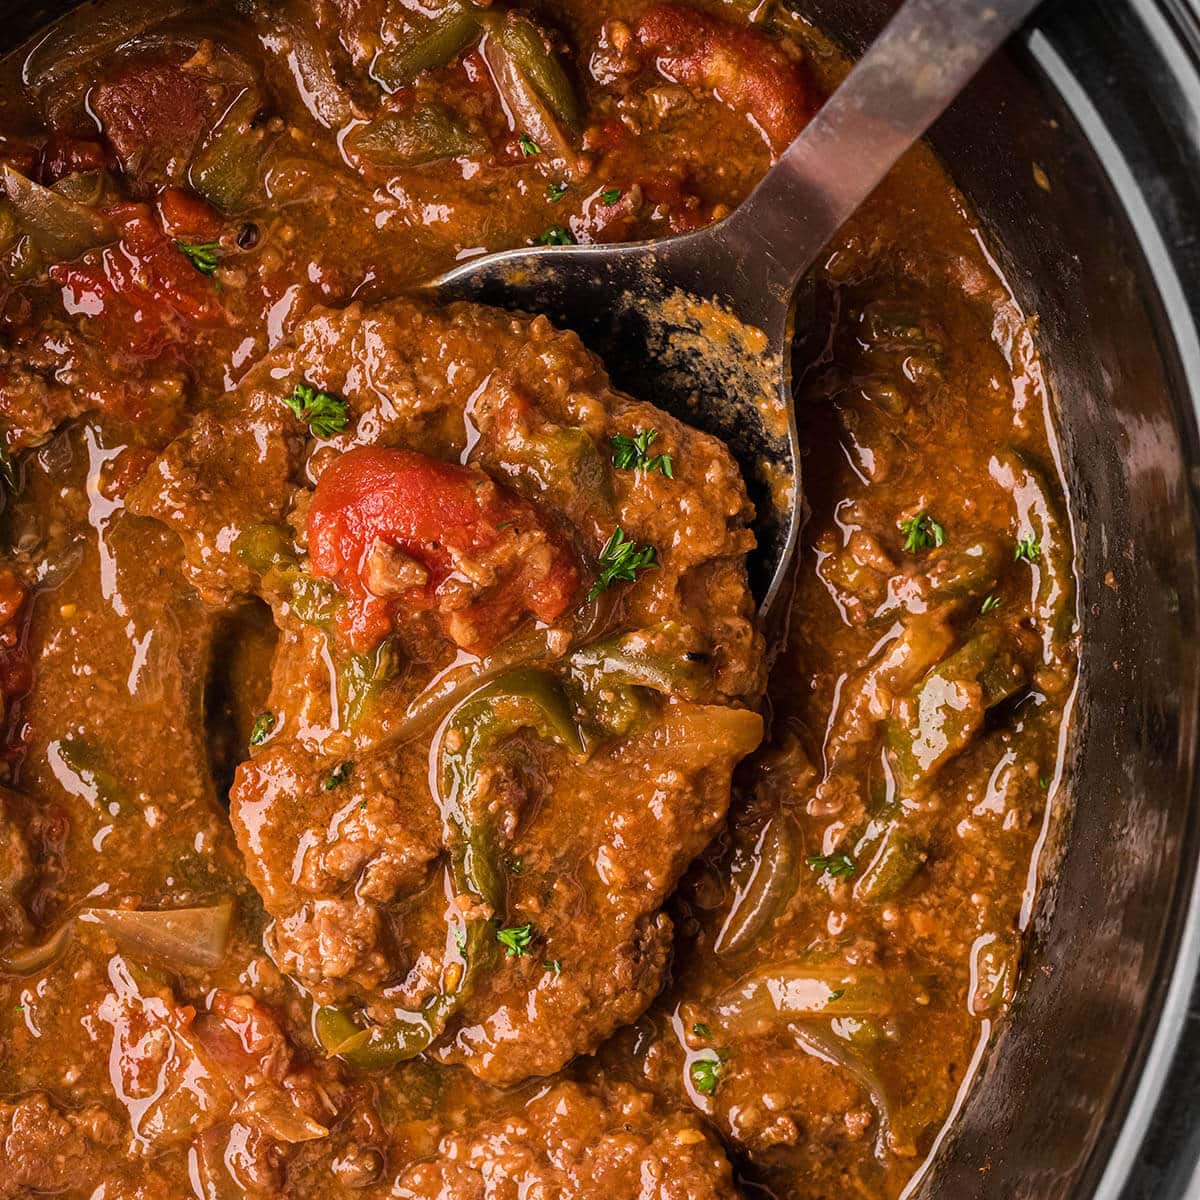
{"type": "Point", "coordinates": [1085, 1092]}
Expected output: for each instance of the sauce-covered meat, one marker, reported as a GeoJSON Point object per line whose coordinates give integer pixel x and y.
{"type": "Point", "coordinates": [399, 796]}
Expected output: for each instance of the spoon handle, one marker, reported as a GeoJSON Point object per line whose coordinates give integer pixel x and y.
{"type": "Point", "coordinates": [923, 58]}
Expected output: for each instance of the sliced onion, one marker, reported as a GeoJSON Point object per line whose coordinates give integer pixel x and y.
{"type": "Point", "coordinates": [323, 95]}
{"type": "Point", "coordinates": [194, 937]}
{"type": "Point", "coordinates": [781, 993]}
{"type": "Point", "coordinates": [89, 33]}
{"type": "Point", "coordinates": [273, 1111]}
{"type": "Point", "coordinates": [825, 1045]}
{"type": "Point", "coordinates": [61, 228]}
{"type": "Point", "coordinates": [28, 960]}
{"type": "Point", "coordinates": [767, 887]}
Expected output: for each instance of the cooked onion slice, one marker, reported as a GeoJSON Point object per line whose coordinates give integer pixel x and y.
{"type": "Point", "coordinates": [61, 228]}
{"type": "Point", "coordinates": [796, 991]}
{"type": "Point", "coordinates": [194, 937]}
{"type": "Point", "coordinates": [28, 960]}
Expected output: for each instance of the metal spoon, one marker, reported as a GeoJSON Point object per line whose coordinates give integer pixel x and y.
{"type": "Point", "coordinates": [702, 324]}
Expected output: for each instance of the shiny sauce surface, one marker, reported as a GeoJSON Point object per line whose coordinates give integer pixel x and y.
{"type": "Point", "coordinates": [375, 820]}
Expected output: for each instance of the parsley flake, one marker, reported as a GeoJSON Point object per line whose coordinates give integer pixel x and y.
{"type": "Point", "coordinates": [610, 196]}
{"type": "Point", "coordinates": [263, 725]}
{"type": "Point", "coordinates": [555, 192]}
{"type": "Point", "coordinates": [633, 454]}
{"type": "Point", "coordinates": [836, 995]}
{"type": "Point", "coordinates": [460, 939]}
{"type": "Point", "coordinates": [701, 1030]}
{"type": "Point", "coordinates": [337, 776]}
{"type": "Point", "coordinates": [1028, 550]}
{"type": "Point", "coordinates": [516, 940]}
{"type": "Point", "coordinates": [706, 1073]}
{"type": "Point", "coordinates": [204, 256]}
{"type": "Point", "coordinates": [553, 965]}
{"type": "Point", "coordinates": [834, 865]}
{"type": "Point", "coordinates": [922, 532]}
{"type": "Point", "coordinates": [528, 146]}
{"type": "Point", "coordinates": [620, 561]}
{"type": "Point", "coordinates": [556, 235]}
{"type": "Point", "coordinates": [324, 413]}
{"type": "Point", "coordinates": [990, 604]}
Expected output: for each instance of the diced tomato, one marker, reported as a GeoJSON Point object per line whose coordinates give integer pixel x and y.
{"type": "Point", "coordinates": [153, 113]}
{"type": "Point", "coordinates": [470, 550]}
{"type": "Point", "coordinates": [142, 294]}
{"type": "Point", "coordinates": [185, 215]}
{"type": "Point", "coordinates": [12, 596]}
{"type": "Point", "coordinates": [746, 70]}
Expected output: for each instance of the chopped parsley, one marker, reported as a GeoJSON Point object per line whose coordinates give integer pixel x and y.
{"type": "Point", "coordinates": [324, 413]}
{"type": "Point", "coordinates": [204, 256]}
{"type": "Point", "coordinates": [528, 146]}
{"type": "Point", "coordinates": [835, 865]}
{"type": "Point", "coordinates": [610, 196]}
{"type": "Point", "coordinates": [337, 776]}
{"type": "Point", "coordinates": [555, 192]}
{"type": "Point", "coordinates": [836, 995]}
{"type": "Point", "coordinates": [515, 864]}
{"type": "Point", "coordinates": [263, 725]}
{"type": "Point", "coordinates": [922, 532]}
{"type": "Point", "coordinates": [553, 965]}
{"type": "Point", "coordinates": [702, 1031]}
{"type": "Point", "coordinates": [460, 939]}
{"type": "Point", "coordinates": [990, 604]}
{"type": "Point", "coordinates": [516, 940]}
{"type": "Point", "coordinates": [632, 454]}
{"type": "Point", "coordinates": [556, 235]}
{"type": "Point", "coordinates": [620, 561]}
{"type": "Point", "coordinates": [706, 1073]}
{"type": "Point", "coordinates": [1028, 550]}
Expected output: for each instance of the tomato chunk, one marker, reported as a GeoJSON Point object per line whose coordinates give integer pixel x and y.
{"type": "Point", "coordinates": [399, 532]}
{"type": "Point", "coordinates": [747, 71]}
{"type": "Point", "coordinates": [153, 114]}
{"type": "Point", "coordinates": [142, 294]}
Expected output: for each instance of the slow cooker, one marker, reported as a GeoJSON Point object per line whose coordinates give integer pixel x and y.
{"type": "Point", "coordinates": [1079, 148]}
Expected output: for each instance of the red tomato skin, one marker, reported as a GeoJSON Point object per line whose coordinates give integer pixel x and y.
{"type": "Point", "coordinates": [142, 293]}
{"type": "Point", "coordinates": [747, 71]}
{"type": "Point", "coordinates": [441, 515]}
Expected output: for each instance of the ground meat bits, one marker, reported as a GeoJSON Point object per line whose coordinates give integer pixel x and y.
{"type": "Point", "coordinates": [578, 1143]}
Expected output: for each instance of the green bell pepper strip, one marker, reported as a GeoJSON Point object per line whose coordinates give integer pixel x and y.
{"type": "Point", "coordinates": [896, 855]}
{"type": "Point", "coordinates": [540, 67]}
{"type": "Point", "coordinates": [265, 548]}
{"type": "Point", "coordinates": [227, 168]}
{"type": "Point", "coordinates": [428, 134]}
{"type": "Point", "coordinates": [1053, 587]}
{"type": "Point", "coordinates": [608, 677]}
{"type": "Point", "coordinates": [534, 87]}
{"type": "Point", "coordinates": [362, 676]}
{"type": "Point", "coordinates": [525, 698]}
{"type": "Point", "coordinates": [941, 714]}
{"type": "Point", "coordinates": [433, 44]}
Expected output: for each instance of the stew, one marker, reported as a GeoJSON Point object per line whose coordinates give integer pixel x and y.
{"type": "Point", "coordinates": [400, 797]}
